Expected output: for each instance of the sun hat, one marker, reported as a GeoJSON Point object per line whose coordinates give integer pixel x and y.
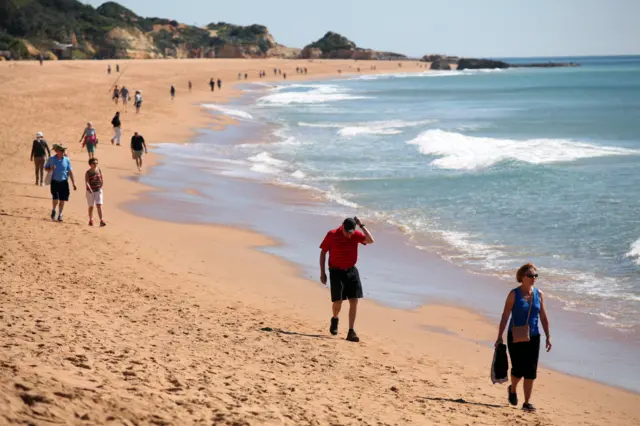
{"type": "Point", "coordinates": [39, 135]}
{"type": "Point", "coordinates": [59, 147]}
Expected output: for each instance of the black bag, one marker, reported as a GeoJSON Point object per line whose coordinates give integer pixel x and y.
{"type": "Point", "coordinates": [500, 365]}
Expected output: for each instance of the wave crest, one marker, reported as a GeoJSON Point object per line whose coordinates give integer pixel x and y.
{"type": "Point", "coordinates": [461, 152]}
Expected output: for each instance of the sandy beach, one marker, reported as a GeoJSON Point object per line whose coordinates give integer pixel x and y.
{"type": "Point", "coordinates": [150, 322]}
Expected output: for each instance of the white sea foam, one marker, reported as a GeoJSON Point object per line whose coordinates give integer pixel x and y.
{"type": "Point", "coordinates": [461, 152]}
{"type": "Point", "coordinates": [229, 111]}
{"type": "Point", "coordinates": [634, 253]}
{"type": "Point", "coordinates": [349, 130]}
{"type": "Point", "coordinates": [265, 163]}
{"type": "Point", "coordinates": [317, 95]}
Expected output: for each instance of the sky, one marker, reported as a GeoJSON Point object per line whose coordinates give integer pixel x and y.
{"type": "Point", "coordinates": [480, 28]}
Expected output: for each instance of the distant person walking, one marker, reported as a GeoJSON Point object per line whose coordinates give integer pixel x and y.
{"type": "Point", "coordinates": [89, 139]}
{"type": "Point", "coordinates": [173, 92]}
{"type": "Point", "coordinates": [116, 95]}
{"type": "Point", "coordinates": [124, 94]}
{"type": "Point", "coordinates": [342, 246]}
{"type": "Point", "coordinates": [39, 154]}
{"type": "Point", "coordinates": [212, 84]}
{"type": "Point", "coordinates": [60, 167]}
{"type": "Point", "coordinates": [117, 67]}
{"type": "Point", "coordinates": [117, 129]}
{"type": "Point", "coordinates": [93, 181]}
{"type": "Point", "coordinates": [138, 101]}
{"type": "Point", "coordinates": [41, 59]}
{"type": "Point", "coordinates": [109, 69]}
{"type": "Point", "coordinates": [525, 306]}
{"type": "Point", "coordinates": [190, 86]}
{"type": "Point", "coordinates": [219, 84]}
{"type": "Point", "coordinates": [138, 147]}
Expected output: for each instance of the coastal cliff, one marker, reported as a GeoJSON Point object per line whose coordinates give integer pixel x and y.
{"type": "Point", "coordinates": [68, 29]}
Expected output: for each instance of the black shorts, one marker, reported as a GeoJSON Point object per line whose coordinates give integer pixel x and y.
{"type": "Point", "coordinates": [524, 357]}
{"type": "Point", "coordinates": [60, 190]}
{"type": "Point", "coordinates": [345, 284]}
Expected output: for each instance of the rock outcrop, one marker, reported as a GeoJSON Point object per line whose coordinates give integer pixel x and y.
{"type": "Point", "coordinates": [474, 64]}
{"type": "Point", "coordinates": [440, 64]}
{"type": "Point", "coordinates": [335, 46]}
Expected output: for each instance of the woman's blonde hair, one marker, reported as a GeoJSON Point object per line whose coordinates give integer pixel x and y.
{"type": "Point", "coordinates": [523, 270]}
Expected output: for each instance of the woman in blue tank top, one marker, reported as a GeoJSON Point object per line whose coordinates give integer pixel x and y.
{"type": "Point", "coordinates": [525, 306]}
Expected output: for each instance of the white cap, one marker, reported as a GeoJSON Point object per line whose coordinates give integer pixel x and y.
{"type": "Point", "coordinates": [39, 135]}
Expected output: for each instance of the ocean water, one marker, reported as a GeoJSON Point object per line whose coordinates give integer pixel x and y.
{"type": "Point", "coordinates": [487, 169]}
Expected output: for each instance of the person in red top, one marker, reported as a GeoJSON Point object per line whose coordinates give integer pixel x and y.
{"type": "Point", "coordinates": [342, 246]}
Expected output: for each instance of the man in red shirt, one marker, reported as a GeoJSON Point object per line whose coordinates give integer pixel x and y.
{"type": "Point", "coordinates": [342, 246]}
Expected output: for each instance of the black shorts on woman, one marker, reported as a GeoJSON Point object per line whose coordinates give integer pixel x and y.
{"type": "Point", "coordinates": [524, 357]}
{"type": "Point", "coordinates": [345, 284]}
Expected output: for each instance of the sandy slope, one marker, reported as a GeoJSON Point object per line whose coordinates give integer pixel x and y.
{"type": "Point", "coordinates": [145, 322]}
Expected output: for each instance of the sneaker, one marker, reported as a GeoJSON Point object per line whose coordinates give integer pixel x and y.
{"type": "Point", "coordinates": [60, 218]}
{"type": "Point", "coordinates": [53, 214]}
{"type": "Point", "coordinates": [103, 223]}
{"type": "Point", "coordinates": [528, 407]}
{"type": "Point", "coordinates": [513, 397]}
{"type": "Point", "coordinates": [352, 336]}
{"type": "Point", "coordinates": [90, 222]}
{"type": "Point", "coordinates": [334, 326]}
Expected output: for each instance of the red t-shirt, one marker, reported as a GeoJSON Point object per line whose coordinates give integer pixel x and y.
{"type": "Point", "coordinates": [343, 251]}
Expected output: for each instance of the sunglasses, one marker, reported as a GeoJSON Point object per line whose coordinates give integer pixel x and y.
{"type": "Point", "coordinates": [532, 275]}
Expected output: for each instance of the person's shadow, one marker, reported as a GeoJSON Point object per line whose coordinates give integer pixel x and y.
{"type": "Point", "coordinates": [461, 401]}
{"type": "Point", "coordinates": [293, 333]}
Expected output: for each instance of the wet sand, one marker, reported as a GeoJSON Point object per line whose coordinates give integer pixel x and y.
{"type": "Point", "coordinates": [153, 322]}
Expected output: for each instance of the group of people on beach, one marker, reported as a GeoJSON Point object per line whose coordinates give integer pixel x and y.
{"type": "Point", "coordinates": [59, 170]}
{"type": "Point", "coordinates": [524, 308]}
{"type": "Point", "coordinates": [123, 93]}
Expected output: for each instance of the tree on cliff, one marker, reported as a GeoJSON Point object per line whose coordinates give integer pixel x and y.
{"type": "Point", "coordinates": [332, 42]}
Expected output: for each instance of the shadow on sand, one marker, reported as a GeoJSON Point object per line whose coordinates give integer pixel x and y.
{"type": "Point", "coordinates": [461, 401]}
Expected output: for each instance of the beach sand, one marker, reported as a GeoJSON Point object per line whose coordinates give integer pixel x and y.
{"type": "Point", "coordinates": [147, 322]}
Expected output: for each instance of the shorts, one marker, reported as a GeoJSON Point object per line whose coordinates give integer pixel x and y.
{"type": "Point", "coordinates": [524, 357]}
{"type": "Point", "coordinates": [91, 148]}
{"type": "Point", "coordinates": [60, 190]}
{"type": "Point", "coordinates": [94, 198]}
{"type": "Point", "coordinates": [345, 284]}
{"type": "Point", "coordinates": [137, 154]}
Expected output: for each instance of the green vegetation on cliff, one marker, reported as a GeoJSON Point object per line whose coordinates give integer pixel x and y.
{"type": "Point", "coordinates": [112, 30]}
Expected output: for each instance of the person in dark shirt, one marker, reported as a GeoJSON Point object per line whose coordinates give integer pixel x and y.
{"type": "Point", "coordinates": [138, 146]}
{"type": "Point", "coordinates": [190, 85]}
{"type": "Point", "coordinates": [124, 94]}
{"type": "Point", "coordinates": [39, 153]}
{"type": "Point", "coordinates": [116, 94]}
{"type": "Point", "coordinates": [219, 84]}
{"type": "Point", "coordinates": [173, 92]}
{"type": "Point", "coordinates": [212, 84]}
{"type": "Point", "coordinates": [117, 129]}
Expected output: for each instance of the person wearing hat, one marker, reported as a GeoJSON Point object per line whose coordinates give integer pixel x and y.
{"type": "Point", "coordinates": [60, 167]}
{"type": "Point", "coordinates": [89, 139]}
{"type": "Point", "coordinates": [342, 245]}
{"type": "Point", "coordinates": [39, 153]}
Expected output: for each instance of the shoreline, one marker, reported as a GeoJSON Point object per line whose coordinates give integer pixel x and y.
{"type": "Point", "coordinates": [461, 360]}
{"type": "Point", "coordinates": [298, 251]}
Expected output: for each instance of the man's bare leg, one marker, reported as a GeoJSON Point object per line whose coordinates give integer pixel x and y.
{"type": "Point", "coordinates": [353, 309]}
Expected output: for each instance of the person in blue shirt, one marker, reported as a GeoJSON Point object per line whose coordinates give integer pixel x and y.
{"type": "Point", "coordinates": [60, 168]}
{"type": "Point", "coordinates": [525, 306]}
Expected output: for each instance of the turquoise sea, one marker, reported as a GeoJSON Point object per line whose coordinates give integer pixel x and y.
{"type": "Point", "coordinates": [486, 169]}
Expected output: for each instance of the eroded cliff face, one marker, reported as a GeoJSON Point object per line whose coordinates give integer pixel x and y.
{"type": "Point", "coordinates": [132, 43]}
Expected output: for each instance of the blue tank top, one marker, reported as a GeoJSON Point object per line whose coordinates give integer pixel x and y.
{"type": "Point", "coordinates": [521, 310]}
